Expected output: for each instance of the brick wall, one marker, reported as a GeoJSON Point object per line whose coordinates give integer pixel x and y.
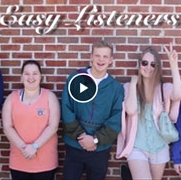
{"type": "Point", "coordinates": [27, 32]}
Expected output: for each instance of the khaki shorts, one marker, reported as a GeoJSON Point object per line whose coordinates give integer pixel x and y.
{"type": "Point", "coordinates": [159, 158]}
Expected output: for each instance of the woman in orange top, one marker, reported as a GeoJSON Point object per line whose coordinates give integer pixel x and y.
{"type": "Point", "coordinates": [30, 121]}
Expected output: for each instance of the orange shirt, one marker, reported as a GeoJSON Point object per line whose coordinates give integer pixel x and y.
{"type": "Point", "coordinates": [29, 121]}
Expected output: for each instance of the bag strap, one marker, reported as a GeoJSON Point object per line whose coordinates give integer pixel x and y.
{"type": "Point", "coordinates": [163, 102]}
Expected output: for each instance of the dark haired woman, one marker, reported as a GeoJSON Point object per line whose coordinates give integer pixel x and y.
{"type": "Point", "coordinates": [30, 119]}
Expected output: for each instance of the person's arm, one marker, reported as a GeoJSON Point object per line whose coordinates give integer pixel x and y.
{"type": "Point", "coordinates": [112, 126]}
{"type": "Point", "coordinates": [176, 147]}
{"type": "Point", "coordinates": [108, 132]}
{"type": "Point", "coordinates": [174, 110]}
{"type": "Point", "coordinates": [54, 120]}
{"type": "Point", "coordinates": [8, 128]}
{"type": "Point", "coordinates": [50, 129]}
{"type": "Point", "coordinates": [173, 60]}
{"type": "Point", "coordinates": [131, 97]}
{"type": "Point", "coordinates": [1, 90]}
{"type": "Point", "coordinates": [71, 126]}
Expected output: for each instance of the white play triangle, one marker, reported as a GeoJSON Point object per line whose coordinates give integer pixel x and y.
{"type": "Point", "coordinates": [83, 88]}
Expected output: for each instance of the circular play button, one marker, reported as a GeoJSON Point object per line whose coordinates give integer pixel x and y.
{"type": "Point", "coordinates": [82, 88]}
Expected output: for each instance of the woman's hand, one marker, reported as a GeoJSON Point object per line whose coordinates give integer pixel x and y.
{"type": "Point", "coordinates": [173, 60]}
{"type": "Point", "coordinates": [29, 152]}
{"type": "Point", "coordinates": [172, 55]}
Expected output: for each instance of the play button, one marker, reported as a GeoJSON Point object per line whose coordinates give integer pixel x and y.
{"type": "Point", "coordinates": [82, 88]}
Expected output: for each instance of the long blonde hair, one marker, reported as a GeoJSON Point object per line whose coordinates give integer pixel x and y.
{"type": "Point", "coordinates": [157, 78]}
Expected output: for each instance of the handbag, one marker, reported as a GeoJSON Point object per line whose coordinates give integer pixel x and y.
{"type": "Point", "coordinates": [168, 130]}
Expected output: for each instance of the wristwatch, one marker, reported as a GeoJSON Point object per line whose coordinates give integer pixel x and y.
{"type": "Point", "coordinates": [35, 146]}
{"type": "Point", "coordinates": [95, 140]}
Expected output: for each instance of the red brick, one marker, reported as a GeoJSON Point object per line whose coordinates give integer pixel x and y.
{"type": "Point", "coordinates": [78, 48]}
{"type": "Point", "coordinates": [151, 2]}
{"type": "Point", "coordinates": [54, 47]}
{"type": "Point", "coordinates": [67, 9]}
{"type": "Point", "coordinates": [166, 9]}
{"type": "Point", "coordinates": [10, 2]}
{"type": "Point", "coordinates": [10, 32]}
{"type": "Point", "coordinates": [44, 9]}
{"type": "Point", "coordinates": [78, 63]}
{"type": "Point", "coordinates": [22, 40]}
{"type": "Point", "coordinates": [80, 33]}
{"type": "Point", "coordinates": [103, 32]}
{"type": "Point", "coordinates": [44, 55]}
{"type": "Point", "coordinates": [10, 63]}
{"type": "Point", "coordinates": [32, 2]}
{"type": "Point", "coordinates": [172, 2]}
{"type": "Point", "coordinates": [56, 1]}
{"type": "Point", "coordinates": [118, 9]}
{"type": "Point", "coordinates": [33, 47]}
{"type": "Point", "coordinates": [56, 79]}
{"type": "Point", "coordinates": [4, 40]}
{"type": "Point", "coordinates": [22, 55]}
{"type": "Point", "coordinates": [119, 2]}
{"type": "Point", "coordinates": [10, 47]}
{"type": "Point", "coordinates": [67, 39]}
{"type": "Point", "coordinates": [67, 55]}
{"type": "Point", "coordinates": [103, 1]}
{"type": "Point", "coordinates": [162, 40]}
{"type": "Point", "coordinates": [77, 2]}
{"type": "Point", "coordinates": [171, 32]}
{"type": "Point", "coordinates": [50, 63]}
{"type": "Point", "coordinates": [126, 64]}
{"type": "Point", "coordinates": [151, 32]}
{"type": "Point", "coordinates": [126, 48]}
{"type": "Point", "coordinates": [138, 9]}
{"type": "Point", "coordinates": [44, 39]}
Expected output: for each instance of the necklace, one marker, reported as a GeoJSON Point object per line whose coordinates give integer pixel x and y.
{"type": "Point", "coordinates": [22, 97]}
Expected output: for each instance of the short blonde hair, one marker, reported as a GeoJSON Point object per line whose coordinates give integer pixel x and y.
{"type": "Point", "coordinates": [102, 43]}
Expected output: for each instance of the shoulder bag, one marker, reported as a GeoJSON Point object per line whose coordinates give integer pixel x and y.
{"type": "Point", "coordinates": [168, 130]}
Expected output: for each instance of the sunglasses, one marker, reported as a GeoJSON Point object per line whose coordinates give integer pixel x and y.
{"type": "Point", "coordinates": [145, 63]}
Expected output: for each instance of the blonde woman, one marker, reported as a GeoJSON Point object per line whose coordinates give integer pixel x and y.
{"type": "Point", "coordinates": [140, 141]}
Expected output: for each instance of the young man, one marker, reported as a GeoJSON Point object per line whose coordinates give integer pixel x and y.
{"type": "Point", "coordinates": [91, 128]}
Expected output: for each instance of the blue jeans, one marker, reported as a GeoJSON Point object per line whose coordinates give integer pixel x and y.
{"type": "Point", "coordinates": [94, 164]}
{"type": "Point", "coordinates": [20, 175]}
